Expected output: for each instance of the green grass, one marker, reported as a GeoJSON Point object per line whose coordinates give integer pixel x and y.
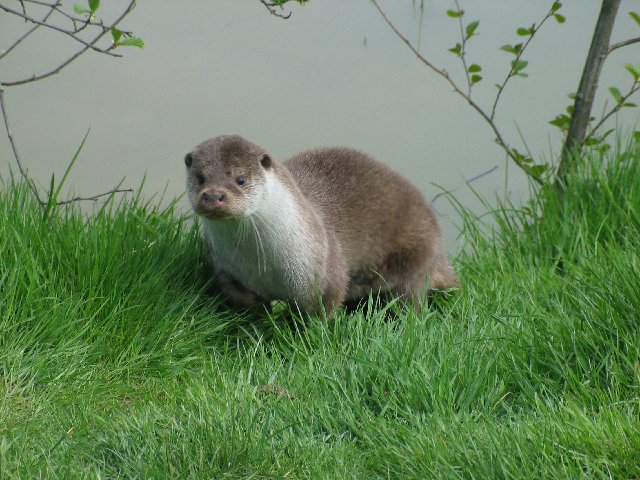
{"type": "Point", "coordinates": [116, 363]}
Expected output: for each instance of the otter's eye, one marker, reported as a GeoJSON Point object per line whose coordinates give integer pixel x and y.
{"type": "Point", "coordinates": [200, 179]}
{"type": "Point", "coordinates": [241, 180]}
{"type": "Point", "coordinates": [188, 159]}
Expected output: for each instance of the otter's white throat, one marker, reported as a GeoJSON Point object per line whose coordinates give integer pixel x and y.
{"type": "Point", "coordinates": [268, 249]}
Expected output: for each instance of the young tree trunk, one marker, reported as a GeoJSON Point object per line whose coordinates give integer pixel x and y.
{"type": "Point", "coordinates": [587, 89]}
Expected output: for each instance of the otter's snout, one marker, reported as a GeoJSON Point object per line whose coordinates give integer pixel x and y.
{"type": "Point", "coordinates": [212, 199]}
{"type": "Point", "coordinates": [213, 204]}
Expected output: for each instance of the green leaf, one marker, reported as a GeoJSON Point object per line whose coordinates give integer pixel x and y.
{"type": "Point", "coordinates": [559, 18]}
{"type": "Point", "coordinates": [607, 133]}
{"type": "Point", "coordinates": [457, 50]}
{"type": "Point", "coordinates": [615, 93]}
{"type": "Point", "coordinates": [538, 170]}
{"type": "Point", "coordinates": [523, 32]}
{"type": "Point", "coordinates": [555, 7]}
{"type": "Point", "coordinates": [629, 104]}
{"type": "Point", "coordinates": [635, 17]}
{"type": "Point", "coordinates": [598, 139]}
{"type": "Point", "coordinates": [131, 42]}
{"type": "Point", "coordinates": [471, 28]}
{"type": "Point", "coordinates": [94, 5]}
{"type": "Point", "coordinates": [116, 34]}
{"type": "Point", "coordinates": [515, 49]}
{"type": "Point", "coordinates": [636, 134]}
{"type": "Point", "coordinates": [520, 158]}
{"type": "Point", "coordinates": [598, 142]}
{"type": "Point", "coordinates": [634, 70]}
{"type": "Point", "coordinates": [455, 14]}
{"type": "Point", "coordinates": [475, 68]}
{"type": "Point", "coordinates": [561, 121]}
{"type": "Point", "coordinates": [79, 9]}
{"type": "Point", "coordinates": [475, 79]}
{"type": "Point", "coordinates": [509, 48]}
{"type": "Point", "coordinates": [518, 65]}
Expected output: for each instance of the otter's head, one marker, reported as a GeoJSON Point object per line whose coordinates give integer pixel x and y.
{"type": "Point", "coordinates": [226, 177]}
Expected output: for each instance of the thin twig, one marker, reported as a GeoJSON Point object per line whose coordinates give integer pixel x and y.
{"type": "Point", "coordinates": [23, 172]}
{"type": "Point", "coordinates": [271, 7]}
{"type": "Point", "coordinates": [84, 21]}
{"type": "Point", "coordinates": [29, 32]}
{"type": "Point", "coordinates": [70, 33]}
{"type": "Point", "coordinates": [634, 88]}
{"type": "Point", "coordinates": [443, 73]}
{"type": "Point", "coordinates": [517, 58]}
{"type": "Point", "coordinates": [622, 44]}
{"type": "Point", "coordinates": [28, 179]}
{"type": "Point", "coordinates": [35, 77]}
{"type": "Point", "coordinates": [467, 182]}
{"type": "Point", "coordinates": [95, 197]}
{"type": "Point", "coordinates": [463, 48]}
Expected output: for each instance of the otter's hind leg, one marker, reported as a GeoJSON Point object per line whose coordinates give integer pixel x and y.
{"type": "Point", "coordinates": [443, 277]}
{"type": "Point", "coordinates": [406, 271]}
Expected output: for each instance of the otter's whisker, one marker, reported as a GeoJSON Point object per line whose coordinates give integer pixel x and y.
{"type": "Point", "coordinates": [260, 245]}
{"type": "Point", "coordinates": [240, 234]}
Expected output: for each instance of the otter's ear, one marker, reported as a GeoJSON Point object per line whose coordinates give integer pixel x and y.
{"type": "Point", "coordinates": [188, 159]}
{"type": "Point", "coordinates": [266, 161]}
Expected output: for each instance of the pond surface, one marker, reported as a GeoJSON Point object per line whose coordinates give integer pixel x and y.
{"type": "Point", "coordinates": [333, 74]}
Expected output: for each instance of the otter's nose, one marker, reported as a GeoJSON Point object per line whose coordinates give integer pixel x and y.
{"type": "Point", "coordinates": [215, 198]}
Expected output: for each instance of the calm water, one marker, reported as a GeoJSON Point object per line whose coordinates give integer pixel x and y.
{"type": "Point", "coordinates": [334, 74]}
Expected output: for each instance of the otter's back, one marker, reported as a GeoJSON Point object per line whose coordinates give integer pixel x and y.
{"type": "Point", "coordinates": [365, 203]}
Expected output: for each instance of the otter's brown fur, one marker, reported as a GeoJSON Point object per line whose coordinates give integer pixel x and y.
{"type": "Point", "coordinates": [326, 226]}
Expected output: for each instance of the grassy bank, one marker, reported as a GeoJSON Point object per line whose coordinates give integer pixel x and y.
{"type": "Point", "coordinates": [116, 363]}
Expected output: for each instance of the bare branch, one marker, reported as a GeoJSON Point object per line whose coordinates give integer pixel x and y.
{"type": "Point", "coordinates": [272, 10]}
{"type": "Point", "coordinates": [35, 77]}
{"type": "Point", "coordinates": [71, 33]}
{"type": "Point", "coordinates": [467, 182]}
{"type": "Point", "coordinates": [443, 73]}
{"type": "Point", "coordinates": [86, 21]}
{"type": "Point", "coordinates": [44, 4]}
{"type": "Point", "coordinates": [94, 197]}
{"type": "Point", "coordinates": [54, 7]}
{"type": "Point", "coordinates": [29, 32]}
{"type": "Point", "coordinates": [622, 44]}
{"type": "Point", "coordinates": [23, 172]}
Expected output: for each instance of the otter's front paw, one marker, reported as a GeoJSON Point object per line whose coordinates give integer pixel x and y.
{"type": "Point", "coordinates": [236, 294]}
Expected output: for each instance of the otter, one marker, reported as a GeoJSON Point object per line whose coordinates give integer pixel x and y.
{"type": "Point", "coordinates": [327, 226]}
